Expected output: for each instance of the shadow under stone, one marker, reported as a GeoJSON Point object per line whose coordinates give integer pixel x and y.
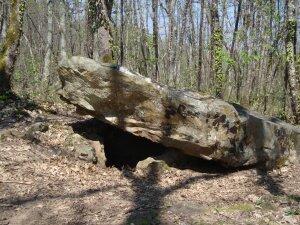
{"type": "Point", "coordinates": [122, 149]}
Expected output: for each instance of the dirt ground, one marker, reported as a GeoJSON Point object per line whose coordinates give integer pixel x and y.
{"type": "Point", "coordinates": [41, 184]}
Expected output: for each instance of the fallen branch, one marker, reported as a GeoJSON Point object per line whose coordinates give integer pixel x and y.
{"type": "Point", "coordinates": [15, 182]}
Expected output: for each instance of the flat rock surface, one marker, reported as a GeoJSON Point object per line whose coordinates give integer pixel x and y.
{"type": "Point", "coordinates": [41, 185]}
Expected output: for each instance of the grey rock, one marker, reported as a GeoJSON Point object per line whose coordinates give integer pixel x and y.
{"type": "Point", "coordinates": [151, 166]}
{"type": "Point", "coordinates": [5, 134]}
{"type": "Point", "coordinates": [33, 130]}
{"type": "Point", "coordinates": [196, 124]}
{"type": "Point", "coordinates": [90, 151]}
{"type": "Point", "coordinates": [86, 152]}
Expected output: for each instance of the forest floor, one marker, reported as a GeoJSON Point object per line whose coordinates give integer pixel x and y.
{"type": "Point", "coordinates": [39, 184]}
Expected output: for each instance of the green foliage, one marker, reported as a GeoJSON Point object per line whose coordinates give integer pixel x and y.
{"type": "Point", "coordinates": [277, 17]}
{"type": "Point", "coordinates": [4, 97]}
{"type": "Point", "coordinates": [247, 58]}
{"type": "Point", "coordinates": [265, 203]}
{"type": "Point", "coordinates": [32, 72]}
{"type": "Point", "coordinates": [292, 212]}
{"type": "Point", "coordinates": [281, 114]}
{"type": "Point", "coordinates": [295, 198]}
{"type": "Point", "coordinates": [107, 58]}
{"type": "Point", "coordinates": [238, 207]}
{"type": "Point", "coordinates": [220, 77]}
{"type": "Point", "coordinates": [151, 58]}
{"type": "Point", "coordinates": [226, 58]}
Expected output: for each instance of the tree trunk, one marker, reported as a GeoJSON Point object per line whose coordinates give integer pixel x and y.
{"type": "Point", "coordinates": [171, 26]}
{"type": "Point", "coordinates": [99, 17]}
{"type": "Point", "coordinates": [298, 41]}
{"type": "Point", "coordinates": [143, 41]}
{"type": "Point", "coordinates": [270, 61]}
{"type": "Point", "coordinates": [182, 34]}
{"type": "Point", "coordinates": [90, 28]}
{"type": "Point", "coordinates": [193, 51]}
{"type": "Point", "coordinates": [10, 48]}
{"type": "Point", "coordinates": [62, 25]}
{"type": "Point", "coordinates": [236, 26]}
{"type": "Point", "coordinates": [47, 62]}
{"type": "Point", "coordinates": [290, 61]}
{"type": "Point", "coordinates": [3, 20]}
{"type": "Point", "coordinates": [155, 38]}
{"type": "Point", "coordinates": [106, 30]}
{"type": "Point", "coordinates": [298, 27]}
{"type": "Point", "coordinates": [200, 59]}
{"type": "Point", "coordinates": [217, 49]}
{"type": "Point", "coordinates": [122, 33]}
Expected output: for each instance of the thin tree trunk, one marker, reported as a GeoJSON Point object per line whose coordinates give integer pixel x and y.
{"type": "Point", "coordinates": [10, 48]}
{"type": "Point", "coordinates": [290, 61]}
{"type": "Point", "coordinates": [122, 33]}
{"type": "Point", "coordinates": [200, 59]}
{"type": "Point", "coordinates": [181, 40]}
{"type": "Point", "coordinates": [236, 26]}
{"type": "Point", "coordinates": [298, 41]}
{"type": "Point", "coordinates": [270, 59]}
{"type": "Point", "coordinates": [246, 70]}
{"type": "Point", "coordinates": [90, 28]}
{"type": "Point", "coordinates": [63, 47]}
{"type": "Point", "coordinates": [155, 38]}
{"type": "Point", "coordinates": [99, 17]}
{"type": "Point", "coordinates": [171, 26]}
{"type": "Point", "coordinates": [298, 27]}
{"type": "Point", "coordinates": [3, 20]}
{"type": "Point", "coordinates": [217, 49]}
{"type": "Point", "coordinates": [47, 61]}
{"type": "Point", "coordinates": [106, 31]}
{"type": "Point", "coordinates": [192, 63]}
{"type": "Point", "coordinates": [143, 42]}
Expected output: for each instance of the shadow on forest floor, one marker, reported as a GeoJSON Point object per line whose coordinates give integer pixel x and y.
{"type": "Point", "coordinates": [126, 150]}
{"type": "Point", "coordinates": [149, 196]}
{"type": "Point", "coordinates": [12, 110]}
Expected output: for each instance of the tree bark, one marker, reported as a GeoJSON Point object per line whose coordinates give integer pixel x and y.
{"type": "Point", "coordinates": [182, 34]}
{"type": "Point", "coordinates": [200, 58]}
{"type": "Point", "coordinates": [106, 28]}
{"type": "Point", "coordinates": [298, 27]}
{"type": "Point", "coordinates": [217, 49]}
{"type": "Point", "coordinates": [10, 48]}
{"type": "Point", "coordinates": [62, 25]}
{"type": "Point", "coordinates": [47, 62]}
{"type": "Point", "coordinates": [143, 41]}
{"type": "Point", "coordinates": [155, 38]}
{"type": "Point", "coordinates": [3, 19]}
{"type": "Point", "coordinates": [290, 61]}
{"type": "Point", "coordinates": [122, 33]}
{"type": "Point", "coordinates": [99, 17]}
{"type": "Point", "coordinates": [90, 28]}
{"type": "Point", "coordinates": [236, 26]}
{"type": "Point", "coordinates": [171, 26]}
{"type": "Point", "coordinates": [298, 41]}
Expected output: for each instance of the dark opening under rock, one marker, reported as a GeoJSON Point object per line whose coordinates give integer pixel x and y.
{"type": "Point", "coordinates": [121, 148]}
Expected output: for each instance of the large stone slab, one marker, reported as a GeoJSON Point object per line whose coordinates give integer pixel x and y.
{"type": "Point", "coordinates": [196, 124]}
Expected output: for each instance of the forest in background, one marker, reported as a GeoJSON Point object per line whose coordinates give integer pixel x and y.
{"type": "Point", "coordinates": [242, 51]}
